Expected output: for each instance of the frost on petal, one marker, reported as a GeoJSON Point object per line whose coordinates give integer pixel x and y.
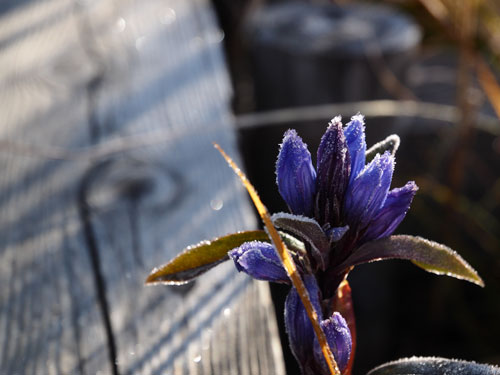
{"type": "Point", "coordinates": [333, 167]}
{"type": "Point", "coordinates": [295, 175]}
{"type": "Point", "coordinates": [367, 194]}
{"type": "Point", "coordinates": [259, 260]}
{"type": "Point", "coordinates": [355, 138]}
{"type": "Point", "coordinates": [298, 326]}
{"type": "Point", "coordinates": [392, 213]}
{"type": "Point", "coordinates": [339, 340]}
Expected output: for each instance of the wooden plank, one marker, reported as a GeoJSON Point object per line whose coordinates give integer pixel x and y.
{"type": "Point", "coordinates": [79, 238]}
{"type": "Point", "coordinates": [180, 87]}
{"type": "Point", "coordinates": [49, 320]}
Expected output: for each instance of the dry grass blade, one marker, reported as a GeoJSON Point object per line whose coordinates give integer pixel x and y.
{"type": "Point", "coordinates": [489, 84]}
{"type": "Point", "coordinates": [486, 15]}
{"type": "Point", "coordinates": [288, 263]}
{"type": "Point", "coordinates": [437, 10]}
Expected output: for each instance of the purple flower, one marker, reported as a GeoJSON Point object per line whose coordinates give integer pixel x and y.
{"type": "Point", "coordinates": [303, 341]}
{"type": "Point", "coordinates": [259, 260]}
{"type": "Point", "coordinates": [296, 175]}
{"type": "Point", "coordinates": [346, 191]}
{"type": "Point", "coordinates": [335, 208]}
{"type": "Point", "coordinates": [334, 167]}
{"type": "Point", "coordinates": [352, 201]}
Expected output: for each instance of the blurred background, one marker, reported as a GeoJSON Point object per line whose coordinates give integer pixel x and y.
{"type": "Point", "coordinates": [424, 69]}
{"type": "Point", "coordinates": [107, 169]}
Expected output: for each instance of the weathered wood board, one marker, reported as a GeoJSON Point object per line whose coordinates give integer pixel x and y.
{"type": "Point", "coordinates": [79, 234]}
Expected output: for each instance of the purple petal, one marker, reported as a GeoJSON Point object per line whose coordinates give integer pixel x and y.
{"type": "Point", "coordinates": [333, 166]}
{"type": "Point", "coordinates": [336, 234]}
{"type": "Point", "coordinates": [355, 138]}
{"type": "Point", "coordinates": [259, 260]}
{"type": "Point", "coordinates": [339, 340]}
{"type": "Point", "coordinates": [295, 175]}
{"type": "Point", "coordinates": [368, 192]}
{"type": "Point", "coordinates": [392, 213]}
{"type": "Point", "coordinates": [298, 326]}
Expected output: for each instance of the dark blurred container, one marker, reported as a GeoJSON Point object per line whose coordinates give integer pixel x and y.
{"type": "Point", "coordinates": [304, 53]}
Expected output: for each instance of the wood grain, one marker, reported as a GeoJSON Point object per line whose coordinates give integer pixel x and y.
{"type": "Point", "coordinates": [78, 237]}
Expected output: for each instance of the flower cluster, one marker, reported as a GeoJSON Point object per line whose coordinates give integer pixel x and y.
{"type": "Point", "coordinates": [342, 213]}
{"type": "Point", "coordinates": [334, 209]}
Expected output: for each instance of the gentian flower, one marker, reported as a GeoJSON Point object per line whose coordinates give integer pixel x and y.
{"type": "Point", "coordinates": [342, 213]}
{"type": "Point", "coordinates": [334, 210]}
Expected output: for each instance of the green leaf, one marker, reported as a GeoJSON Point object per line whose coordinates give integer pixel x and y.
{"type": "Point", "coordinates": [308, 230]}
{"type": "Point", "coordinates": [197, 259]}
{"type": "Point", "coordinates": [293, 244]}
{"type": "Point", "coordinates": [434, 366]}
{"type": "Point", "coordinates": [431, 256]}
